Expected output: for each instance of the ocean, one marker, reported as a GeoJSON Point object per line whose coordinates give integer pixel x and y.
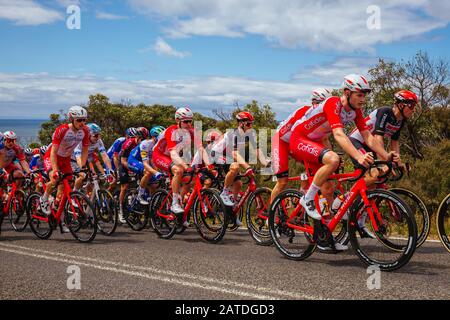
{"type": "Point", "coordinates": [26, 130]}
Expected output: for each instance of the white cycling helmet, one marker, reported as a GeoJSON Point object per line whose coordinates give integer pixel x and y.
{"type": "Point", "coordinates": [77, 112]}
{"type": "Point", "coordinates": [10, 135]}
{"type": "Point", "coordinates": [356, 83]}
{"type": "Point", "coordinates": [184, 114]}
{"type": "Point", "coordinates": [321, 94]}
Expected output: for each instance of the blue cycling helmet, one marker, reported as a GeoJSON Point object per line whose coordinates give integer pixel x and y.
{"type": "Point", "coordinates": [156, 131]}
{"type": "Point", "coordinates": [94, 128]}
{"type": "Point", "coordinates": [131, 132]}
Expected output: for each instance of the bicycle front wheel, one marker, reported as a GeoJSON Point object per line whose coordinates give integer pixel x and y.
{"type": "Point", "coordinates": [80, 217]}
{"type": "Point", "coordinates": [163, 221]}
{"type": "Point", "coordinates": [39, 222]}
{"type": "Point", "coordinates": [258, 216]}
{"type": "Point", "coordinates": [210, 216]}
{"type": "Point", "coordinates": [106, 211]}
{"type": "Point", "coordinates": [17, 211]}
{"type": "Point", "coordinates": [420, 212]}
{"type": "Point", "coordinates": [394, 243]}
{"type": "Point", "coordinates": [443, 222]}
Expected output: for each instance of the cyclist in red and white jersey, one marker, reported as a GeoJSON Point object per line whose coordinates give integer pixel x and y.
{"type": "Point", "coordinates": [280, 141]}
{"type": "Point", "coordinates": [57, 158]}
{"type": "Point", "coordinates": [171, 154]}
{"type": "Point", "coordinates": [233, 146]}
{"type": "Point", "coordinates": [10, 151]}
{"type": "Point", "coordinates": [309, 137]}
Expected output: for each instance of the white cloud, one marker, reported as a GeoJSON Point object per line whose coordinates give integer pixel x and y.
{"type": "Point", "coordinates": [318, 25]}
{"type": "Point", "coordinates": [163, 48]}
{"type": "Point", "coordinates": [27, 12]}
{"type": "Point", "coordinates": [44, 93]}
{"type": "Point", "coordinates": [109, 16]}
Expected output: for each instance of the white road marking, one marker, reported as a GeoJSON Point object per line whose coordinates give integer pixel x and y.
{"type": "Point", "coordinates": [223, 286]}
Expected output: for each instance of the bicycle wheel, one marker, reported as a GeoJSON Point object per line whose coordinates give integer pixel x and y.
{"type": "Point", "coordinates": [257, 214]}
{"type": "Point", "coordinates": [291, 243]}
{"type": "Point", "coordinates": [210, 216]}
{"type": "Point", "coordinates": [443, 222]}
{"type": "Point", "coordinates": [17, 211]}
{"type": "Point", "coordinates": [106, 211]}
{"type": "Point", "coordinates": [163, 221]}
{"type": "Point", "coordinates": [39, 222]}
{"type": "Point", "coordinates": [80, 217]}
{"type": "Point", "coordinates": [135, 213]}
{"type": "Point", "coordinates": [394, 242]}
{"type": "Point", "coordinates": [419, 211]}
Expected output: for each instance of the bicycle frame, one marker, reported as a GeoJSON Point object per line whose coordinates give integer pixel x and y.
{"type": "Point", "coordinates": [10, 195]}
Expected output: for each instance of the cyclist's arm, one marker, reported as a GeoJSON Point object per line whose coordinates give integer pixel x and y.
{"type": "Point", "coordinates": [84, 155]}
{"type": "Point", "coordinates": [177, 159]}
{"type": "Point", "coordinates": [106, 160]}
{"type": "Point", "coordinates": [395, 146]}
{"type": "Point", "coordinates": [25, 166]}
{"type": "Point", "coordinates": [53, 157]}
{"type": "Point", "coordinates": [376, 144]}
{"type": "Point", "coordinates": [345, 143]}
{"type": "Point", "coordinates": [240, 160]}
{"type": "Point", "coordinates": [2, 160]}
{"type": "Point", "coordinates": [262, 158]}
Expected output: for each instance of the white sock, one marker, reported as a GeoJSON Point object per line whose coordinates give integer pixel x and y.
{"type": "Point", "coordinates": [176, 198]}
{"type": "Point", "coordinates": [45, 197]}
{"type": "Point", "coordinates": [312, 191]}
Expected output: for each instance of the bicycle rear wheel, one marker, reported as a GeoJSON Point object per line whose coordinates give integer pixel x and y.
{"type": "Point", "coordinates": [80, 217]}
{"type": "Point", "coordinates": [39, 222]}
{"type": "Point", "coordinates": [17, 211]}
{"type": "Point", "coordinates": [210, 216]}
{"type": "Point", "coordinates": [257, 214]}
{"type": "Point", "coordinates": [291, 243]}
{"type": "Point", "coordinates": [420, 212]}
{"type": "Point", "coordinates": [135, 213]}
{"type": "Point", "coordinates": [443, 222]}
{"type": "Point", "coordinates": [107, 215]}
{"type": "Point", "coordinates": [395, 241]}
{"type": "Point", "coordinates": [163, 221]}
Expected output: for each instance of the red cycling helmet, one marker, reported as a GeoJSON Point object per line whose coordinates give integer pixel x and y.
{"type": "Point", "coordinates": [245, 116]}
{"type": "Point", "coordinates": [212, 136]}
{"type": "Point", "coordinates": [36, 151]}
{"type": "Point", "coordinates": [143, 132]}
{"type": "Point", "coordinates": [406, 96]}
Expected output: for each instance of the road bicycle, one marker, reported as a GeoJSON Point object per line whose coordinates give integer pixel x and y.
{"type": "Point", "coordinates": [209, 212]}
{"type": "Point", "coordinates": [78, 211]}
{"type": "Point", "coordinates": [443, 222]}
{"type": "Point", "coordinates": [12, 203]}
{"type": "Point", "coordinates": [296, 235]}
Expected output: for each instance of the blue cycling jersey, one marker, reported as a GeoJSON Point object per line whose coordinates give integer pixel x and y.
{"type": "Point", "coordinates": [116, 147]}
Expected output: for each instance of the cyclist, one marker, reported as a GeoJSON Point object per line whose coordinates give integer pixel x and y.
{"type": "Point", "coordinates": [212, 137]}
{"type": "Point", "coordinates": [233, 146]}
{"type": "Point", "coordinates": [113, 151]}
{"type": "Point", "coordinates": [37, 163]}
{"type": "Point", "coordinates": [64, 141]}
{"type": "Point", "coordinates": [10, 151]}
{"type": "Point", "coordinates": [308, 141]}
{"type": "Point", "coordinates": [139, 162]}
{"type": "Point", "coordinates": [172, 152]}
{"type": "Point", "coordinates": [28, 154]}
{"type": "Point", "coordinates": [95, 145]}
{"type": "Point", "coordinates": [124, 177]}
{"type": "Point", "coordinates": [387, 122]}
{"type": "Point", "coordinates": [280, 141]}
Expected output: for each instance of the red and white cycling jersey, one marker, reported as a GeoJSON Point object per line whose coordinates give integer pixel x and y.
{"type": "Point", "coordinates": [284, 130]}
{"type": "Point", "coordinates": [68, 140]}
{"type": "Point", "coordinates": [16, 152]}
{"type": "Point", "coordinates": [319, 122]}
{"type": "Point", "coordinates": [175, 138]}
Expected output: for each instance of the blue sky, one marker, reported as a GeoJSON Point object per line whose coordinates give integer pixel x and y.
{"type": "Point", "coordinates": [205, 54]}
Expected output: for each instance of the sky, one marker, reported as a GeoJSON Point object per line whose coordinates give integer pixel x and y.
{"type": "Point", "coordinates": [204, 54]}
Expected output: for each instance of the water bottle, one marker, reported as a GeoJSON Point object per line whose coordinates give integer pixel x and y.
{"type": "Point", "coordinates": [336, 205]}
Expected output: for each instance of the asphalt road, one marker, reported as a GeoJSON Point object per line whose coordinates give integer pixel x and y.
{"type": "Point", "coordinates": [139, 265]}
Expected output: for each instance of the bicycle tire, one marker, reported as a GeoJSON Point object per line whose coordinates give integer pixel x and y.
{"type": "Point", "coordinates": [136, 214]}
{"type": "Point", "coordinates": [41, 229]}
{"type": "Point", "coordinates": [84, 219]}
{"type": "Point", "coordinates": [160, 202]}
{"type": "Point", "coordinates": [441, 217]}
{"type": "Point", "coordinates": [19, 212]}
{"type": "Point", "coordinates": [211, 234]}
{"type": "Point", "coordinates": [404, 251]}
{"type": "Point", "coordinates": [420, 212]}
{"type": "Point", "coordinates": [108, 214]}
{"type": "Point", "coordinates": [278, 228]}
{"type": "Point", "coordinates": [256, 225]}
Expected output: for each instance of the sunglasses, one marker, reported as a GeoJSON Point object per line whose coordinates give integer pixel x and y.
{"type": "Point", "coordinates": [10, 140]}
{"type": "Point", "coordinates": [187, 121]}
{"type": "Point", "coordinates": [248, 124]}
{"type": "Point", "coordinates": [81, 120]}
{"type": "Point", "coordinates": [410, 105]}
{"type": "Point", "coordinates": [95, 135]}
